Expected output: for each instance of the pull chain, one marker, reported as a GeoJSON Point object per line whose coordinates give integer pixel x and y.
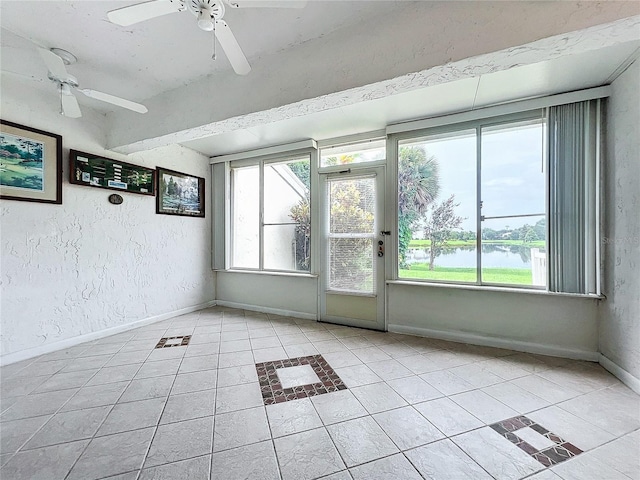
{"type": "Point", "coordinates": [214, 56]}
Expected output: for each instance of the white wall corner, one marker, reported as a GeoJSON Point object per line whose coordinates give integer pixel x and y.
{"type": "Point", "coordinates": [71, 342]}
{"type": "Point", "coordinates": [625, 377]}
{"type": "Point", "coordinates": [486, 341]}
{"type": "Point", "coordinates": [261, 309]}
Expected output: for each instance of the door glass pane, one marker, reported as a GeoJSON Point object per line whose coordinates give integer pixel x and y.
{"type": "Point", "coordinates": [513, 189]}
{"type": "Point", "coordinates": [351, 265]}
{"type": "Point", "coordinates": [245, 204]}
{"type": "Point", "coordinates": [352, 203]}
{"type": "Point", "coordinates": [352, 231]}
{"type": "Point", "coordinates": [437, 207]}
{"type": "Point", "coordinates": [370, 151]}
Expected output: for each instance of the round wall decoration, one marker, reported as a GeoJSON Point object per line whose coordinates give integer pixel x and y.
{"type": "Point", "coordinates": [115, 199]}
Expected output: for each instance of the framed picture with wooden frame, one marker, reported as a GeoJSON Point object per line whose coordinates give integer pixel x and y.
{"type": "Point", "coordinates": [179, 194]}
{"type": "Point", "coordinates": [101, 172]}
{"type": "Point", "coordinates": [30, 164]}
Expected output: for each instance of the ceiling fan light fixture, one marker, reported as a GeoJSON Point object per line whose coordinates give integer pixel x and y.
{"type": "Point", "coordinates": [205, 22]}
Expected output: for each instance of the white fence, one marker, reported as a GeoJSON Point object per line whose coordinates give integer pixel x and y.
{"type": "Point", "coordinates": [539, 267]}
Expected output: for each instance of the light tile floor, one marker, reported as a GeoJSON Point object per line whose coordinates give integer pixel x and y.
{"type": "Point", "coordinates": [414, 408]}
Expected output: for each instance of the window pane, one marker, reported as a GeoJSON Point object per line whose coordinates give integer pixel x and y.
{"type": "Point", "coordinates": [287, 220]}
{"type": "Point", "coordinates": [286, 185]}
{"type": "Point", "coordinates": [356, 153]}
{"type": "Point", "coordinates": [437, 207]}
{"type": "Point", "coordinates": [245, 204]}
{"type": "Point", "coordinates": [514, 251]}
{"type": "Point", "coordinates": [285, 248]}
{"type": "Point", "coordinates": [351, 265]}
{"type": "Point", "coordinates": [513, 186]}
{"type": "Point", "coordinates": [513, 180]}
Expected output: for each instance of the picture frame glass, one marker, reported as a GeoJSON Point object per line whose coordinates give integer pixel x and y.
{"type": "Point", "coordinates": [29, 164]}
{"type": "Point", "coordinates": [180, 194]}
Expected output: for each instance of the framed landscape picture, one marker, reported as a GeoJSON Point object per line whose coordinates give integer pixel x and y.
{"type": "Point", "coordinates": [179, 194]}
{"type": "Point", "coordinates": [30, 164]}
{"type": "Point", "coordinates": [96, 171]}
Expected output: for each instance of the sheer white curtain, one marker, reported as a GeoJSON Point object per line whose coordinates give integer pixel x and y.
{"type": "Point", "coordinates": [573, 208]}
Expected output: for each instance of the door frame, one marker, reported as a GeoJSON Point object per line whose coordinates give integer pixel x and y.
{"type": "Point", "coordinates": [377, 171]}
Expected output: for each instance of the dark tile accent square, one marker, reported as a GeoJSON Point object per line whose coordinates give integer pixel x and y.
{"type": "Point", "coordinates": [560, 452]}
{"type": "Point", "coordinates": [271, 388]}
{"type": "Point", "coordinates": [184, 342]}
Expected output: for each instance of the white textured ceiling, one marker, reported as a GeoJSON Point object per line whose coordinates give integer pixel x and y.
{"type": "Point", "coordinates": [564, 74]}
{"type": "Point", "coordinates": [161, 54]}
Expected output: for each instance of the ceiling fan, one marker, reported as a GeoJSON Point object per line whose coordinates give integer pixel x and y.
{"type": "Point", "coordinates": [56, 60]}
{"type": "Point", "coordinates": [209, 14]}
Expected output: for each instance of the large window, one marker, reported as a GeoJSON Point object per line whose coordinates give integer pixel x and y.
{"type": "Point", "coordinates": [509, 200]}
{"type": "Point", "coordinates": [270, 215]}
{"type": "Point", "coordinates": [471, 204]}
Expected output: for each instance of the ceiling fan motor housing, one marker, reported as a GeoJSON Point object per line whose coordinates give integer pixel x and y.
{"type": "Point", "coordinates": [69, 80]}
{"type": "Point", "coordinates": [207, 12]}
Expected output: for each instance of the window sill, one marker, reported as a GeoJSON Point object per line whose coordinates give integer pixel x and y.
{"type": "Point", "coordinates": [268, 272]}
{"type": "Point", "coordinates": [487, 288]}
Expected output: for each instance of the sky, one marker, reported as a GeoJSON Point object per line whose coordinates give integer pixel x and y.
{"type": "Point", "coordinates": [512, 176]}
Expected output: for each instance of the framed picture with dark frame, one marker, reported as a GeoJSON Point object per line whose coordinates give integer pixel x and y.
{"type": "Point", "coordinates": [30, 164]}
{"type": "Point", "coordinates": [101, 172]}
{"type": "Point", "coordinates": [179, 194]}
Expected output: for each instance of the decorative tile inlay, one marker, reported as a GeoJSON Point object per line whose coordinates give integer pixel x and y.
{"type": "Point", "coordinates": [559, 452]}
{"type": "Point", "coordinates": [273, 392]}
{"type": "Point", "coordinates": [166, 342]}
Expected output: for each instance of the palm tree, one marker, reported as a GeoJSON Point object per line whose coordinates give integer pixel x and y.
{"type": "Point", "coordinates": [418, 187]}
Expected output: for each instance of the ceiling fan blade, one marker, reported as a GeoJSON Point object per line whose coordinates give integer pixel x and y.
{"type": "Point", "coordinates": [120, 102]}
{"type": "Point", "coordinates": [267, 3]}
{"type": "Point", "coordinates": [144, 11]}
{"type": "Point", "coordinates": [231, 48]}
{"type": "Point", "coordinates": [54, 63]}
{"type": "Point", "coordinates": [70, 106]}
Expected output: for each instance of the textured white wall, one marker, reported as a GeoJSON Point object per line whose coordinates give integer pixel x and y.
{"type": "Point", "coordinates": [620, 313]}
{"type": "Point", "coordinates": [87, 265]}
{"type": "Point", "coordinates": [553, 322]}
{"type": "Point", "coordinates": [297, 295]}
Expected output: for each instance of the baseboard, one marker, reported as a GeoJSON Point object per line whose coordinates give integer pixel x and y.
{"type": "Point", "coordinates": [474, 339]}
{"type": "Point", "coordinates": [87, 337]}
{"type": "Point", "coordinates": [261, 309]}
{"type": "Point", "coordinates": [625, 377]}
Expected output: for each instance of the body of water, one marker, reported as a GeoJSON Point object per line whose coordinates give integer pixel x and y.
{"type": "Point", "coordinates": [493, 256]}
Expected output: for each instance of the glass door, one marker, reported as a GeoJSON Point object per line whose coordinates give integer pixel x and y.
{"type": "Point", "coordinates": [353, 248]}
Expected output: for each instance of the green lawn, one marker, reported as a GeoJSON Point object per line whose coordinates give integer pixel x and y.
{"type": "Point", "coordinates": [13, 173]}
{"type": "Point", "coordinates": [471, 243]}
{"type": "Point", "coordinates": [513, 276]}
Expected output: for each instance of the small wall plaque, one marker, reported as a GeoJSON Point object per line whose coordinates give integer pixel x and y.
{"type": "Point", "coordinates": [115, 199]}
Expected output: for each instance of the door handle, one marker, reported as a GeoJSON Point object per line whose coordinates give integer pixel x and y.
{"type": "Point", "coordinates": [385, 232]}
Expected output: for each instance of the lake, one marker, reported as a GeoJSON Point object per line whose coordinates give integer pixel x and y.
{"type": "Point", "coordinates": [493, 256]}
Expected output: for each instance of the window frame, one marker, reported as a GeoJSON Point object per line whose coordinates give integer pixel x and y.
{"type": "Point", "coordinates": [260, 162]}
{"type": "Point", "coordinates": [393, 144]}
